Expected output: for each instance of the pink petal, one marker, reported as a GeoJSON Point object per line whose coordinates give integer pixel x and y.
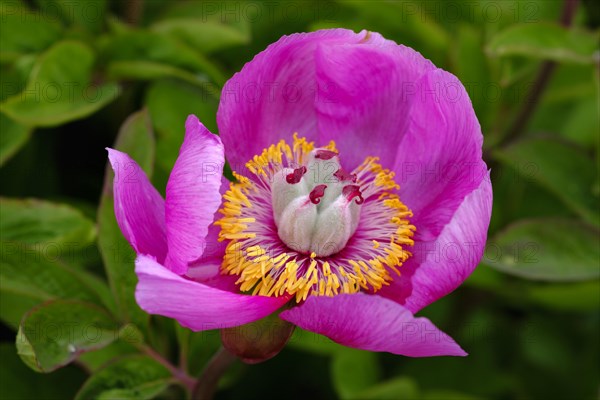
{"type": "Point", "coordinates": [372, 323]}
{"type": "Point", "coordinates": [438, 267]}
{"type": "Point", "coordinates": [273, 96]}
{"type": "Point", "coordinates": [195, 305]}
{"type": "Point", "coordinates": [363, 102]}
{"type": "Point", "coordinates": [193, 195]}
{"type": "Point", "coordinates": [139, 208]}
{"type": "Point", "coordinates": [440, 160]}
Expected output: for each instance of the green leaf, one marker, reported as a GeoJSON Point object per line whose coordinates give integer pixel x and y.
{"type": "Point", "coordinates": [25, 32]}
{"type": "Point", "coordinates": [60, 90]}
{"type": "Point", "coordinates": [313, 343]}
{"type": "Point", "coordinates": [562, 169]}
{"type": "Point", "coordinates": [131, 377]}
{"type": "Point", "coordinates": [206, 36]}
{"type": "Point", "coordinates": [55, 333]}
{"type": "Point", "coordinates": [353, 371]}
{"type": "Point", "coordinates": [150, 70]}
{"type": "Point", "coordinates": [169, 104]}
{"type": "Point", "coordinates": [20, 382]}
{"type": "Point", "coordinates": [580, 296]}
{"type": "Point", "coordinates": [398, 388]}
{"type": "Point", "coordinates": [448, 395]}
{"type": "Point", "coordinates": [136, 139]}
{"type": "Point", "coordinates": [29, 277]}
{"type": "Point", "coordinates": [14, 136]}
{"type": "Point", "coordinates": [545, 41]}
{"type": "Point", "coordinates": [89, 14]}
{"type": "Point", "coordinates": [158, 48]}
{"type": "Point", "coordinates": [581, 124]}
{"type": "Point", "coordinates": [557, 250]}
{"type": "Point", "coordinates": [50, 227]}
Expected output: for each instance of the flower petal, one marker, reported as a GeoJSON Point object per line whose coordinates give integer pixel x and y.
{"type": "Point", "coordinates": [440, 158]}
{"type": "Point", "coordinates": [139, 208]}
{"type": "Point", "coordinates": [273, 96]}
{"type": "Point", "coordinates": [195, 305]}
{"type": "Point", "coordinates": [438, 267]}
{"type": "Point", "coordinates": [362, 102]}
{"type": "Point", "coordinates": [372, 323]}
{"type": "Point", "coordinates": [192, 195]}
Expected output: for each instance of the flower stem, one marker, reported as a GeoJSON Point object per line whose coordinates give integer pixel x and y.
{"type": "Point", "coordinates": [177, 373]}
{"type": "Point", "coordinates": [208, 380]}
{"type": "Point", "coordinates": [543, 77]}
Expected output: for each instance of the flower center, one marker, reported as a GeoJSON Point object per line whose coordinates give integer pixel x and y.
{"type": "Point", "coordinates": [303, 225]}
{"type": "Point", "coordinates": [316, 206]}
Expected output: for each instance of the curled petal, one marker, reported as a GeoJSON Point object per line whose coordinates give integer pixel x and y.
{"type": "Point", "coordinates": [372, 323]}
{"type": "Point", "coordinates": [192, 195]}
{"type": "Point", "coordinates": [139, 208]}
{"type": "Point", "coordinates": [195, 305]}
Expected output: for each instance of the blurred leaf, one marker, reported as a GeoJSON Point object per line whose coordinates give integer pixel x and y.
{"type": "Point", "coordinates": [583, 296]}
{"type": "Point", "coordinates": [581, 124]}
{"type": "Point", "coordinates": [43, 224]}
{"type": "Point", "coordinates": [169, 104]}
{"type": "Point", "coordinates": [546, 249]}
{"type": "Point", "coordinates": [131, 377]}
{"type": "Point", "coordinates": [97, 359]}
{"type": "Point", "coordinates": [159, 48]}
{"type": "Point", "coordinates": [562, 169]}
{"type": "Point", "coordinates": [447, 395]}
{"type": "Point", "coordinates": [55, 333]}
{"type": "Point", "coordinates": [150, 70]}
{"type": "Point", "coordinates": [206, 36]}
{"type": "Point", "coordinates": [353, 371]}
{"type": "Point", "coordinates": [313, 343]}
{"type": "Point", "coordinates": [24, 32]}
{"type": "Point", "coordinates": [59, 90]}
{"type": "Point", "coordinates": [394, 389]}
{"type": "Point", "coordinates": [89, 14]}
{"type": "Point", "coordinates": [545, 41]}
{"type": "Point", "coordinates": [471, 68]}
{"type": "Point", "coordinates": [14, 136]}
{"type": "Point", "coordinates": [13, 76]}
{"type": "Point", "coordinates": [30, 276]}
{"type": "Point", "coordinates": [20, 382]}
{"type": "Point", "coordinates": [136, 139]}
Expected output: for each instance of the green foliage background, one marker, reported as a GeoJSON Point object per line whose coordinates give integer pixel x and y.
{"type": "Point", "coordinates": [76, 73]}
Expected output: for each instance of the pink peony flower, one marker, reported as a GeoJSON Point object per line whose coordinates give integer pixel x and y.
{"type": "Point", "coordinates": [361, 197]}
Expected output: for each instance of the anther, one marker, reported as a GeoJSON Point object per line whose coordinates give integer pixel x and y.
{"type": "Point", "coordinates": [295, 176]}
{"type": "Point", "coordinates": [316, 194]}
{"type": "Point", "coordinates": [352, 191]}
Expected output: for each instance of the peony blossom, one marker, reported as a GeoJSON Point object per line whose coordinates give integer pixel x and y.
{"type": "Point", "coordinates": [360, 197]}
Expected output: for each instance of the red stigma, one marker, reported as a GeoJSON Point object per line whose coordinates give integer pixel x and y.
{"type": "Point", "coordinates": [352, 191]}
{"type": "Point", "coordinates": [295, 176]}
{"type": "Point", "coordinates": [344, 176]}
{"type": "Point", "coordinates": [325, 154]}
{"type": "Point", "coordinates": [316, 194]}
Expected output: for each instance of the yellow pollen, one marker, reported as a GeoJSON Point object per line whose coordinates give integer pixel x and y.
{"type": "Point", "coordinates": [277, 271]}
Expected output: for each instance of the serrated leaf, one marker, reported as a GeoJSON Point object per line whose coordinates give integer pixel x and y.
{"type": "Point", "coordinates": [131, 377]}
{"type": "Point", "coordinates": [14, 136]}
{"type": "Point", "coordinates": [546, 41]}
{"type": "Point", "coordinates": [55, 333]}
{"type": "Point", "coordinates": [43, 224]}
{"type": "Point", "coordinates": [562, 169]}
{"type": "Point", "coordinates": [558, 250]}
{"type": "Point", "coordinates": [353, 371]}
{"type": "Point", "coordinates": [60, 90]}
{"type": "Point", "coordinates": [136, 139]}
